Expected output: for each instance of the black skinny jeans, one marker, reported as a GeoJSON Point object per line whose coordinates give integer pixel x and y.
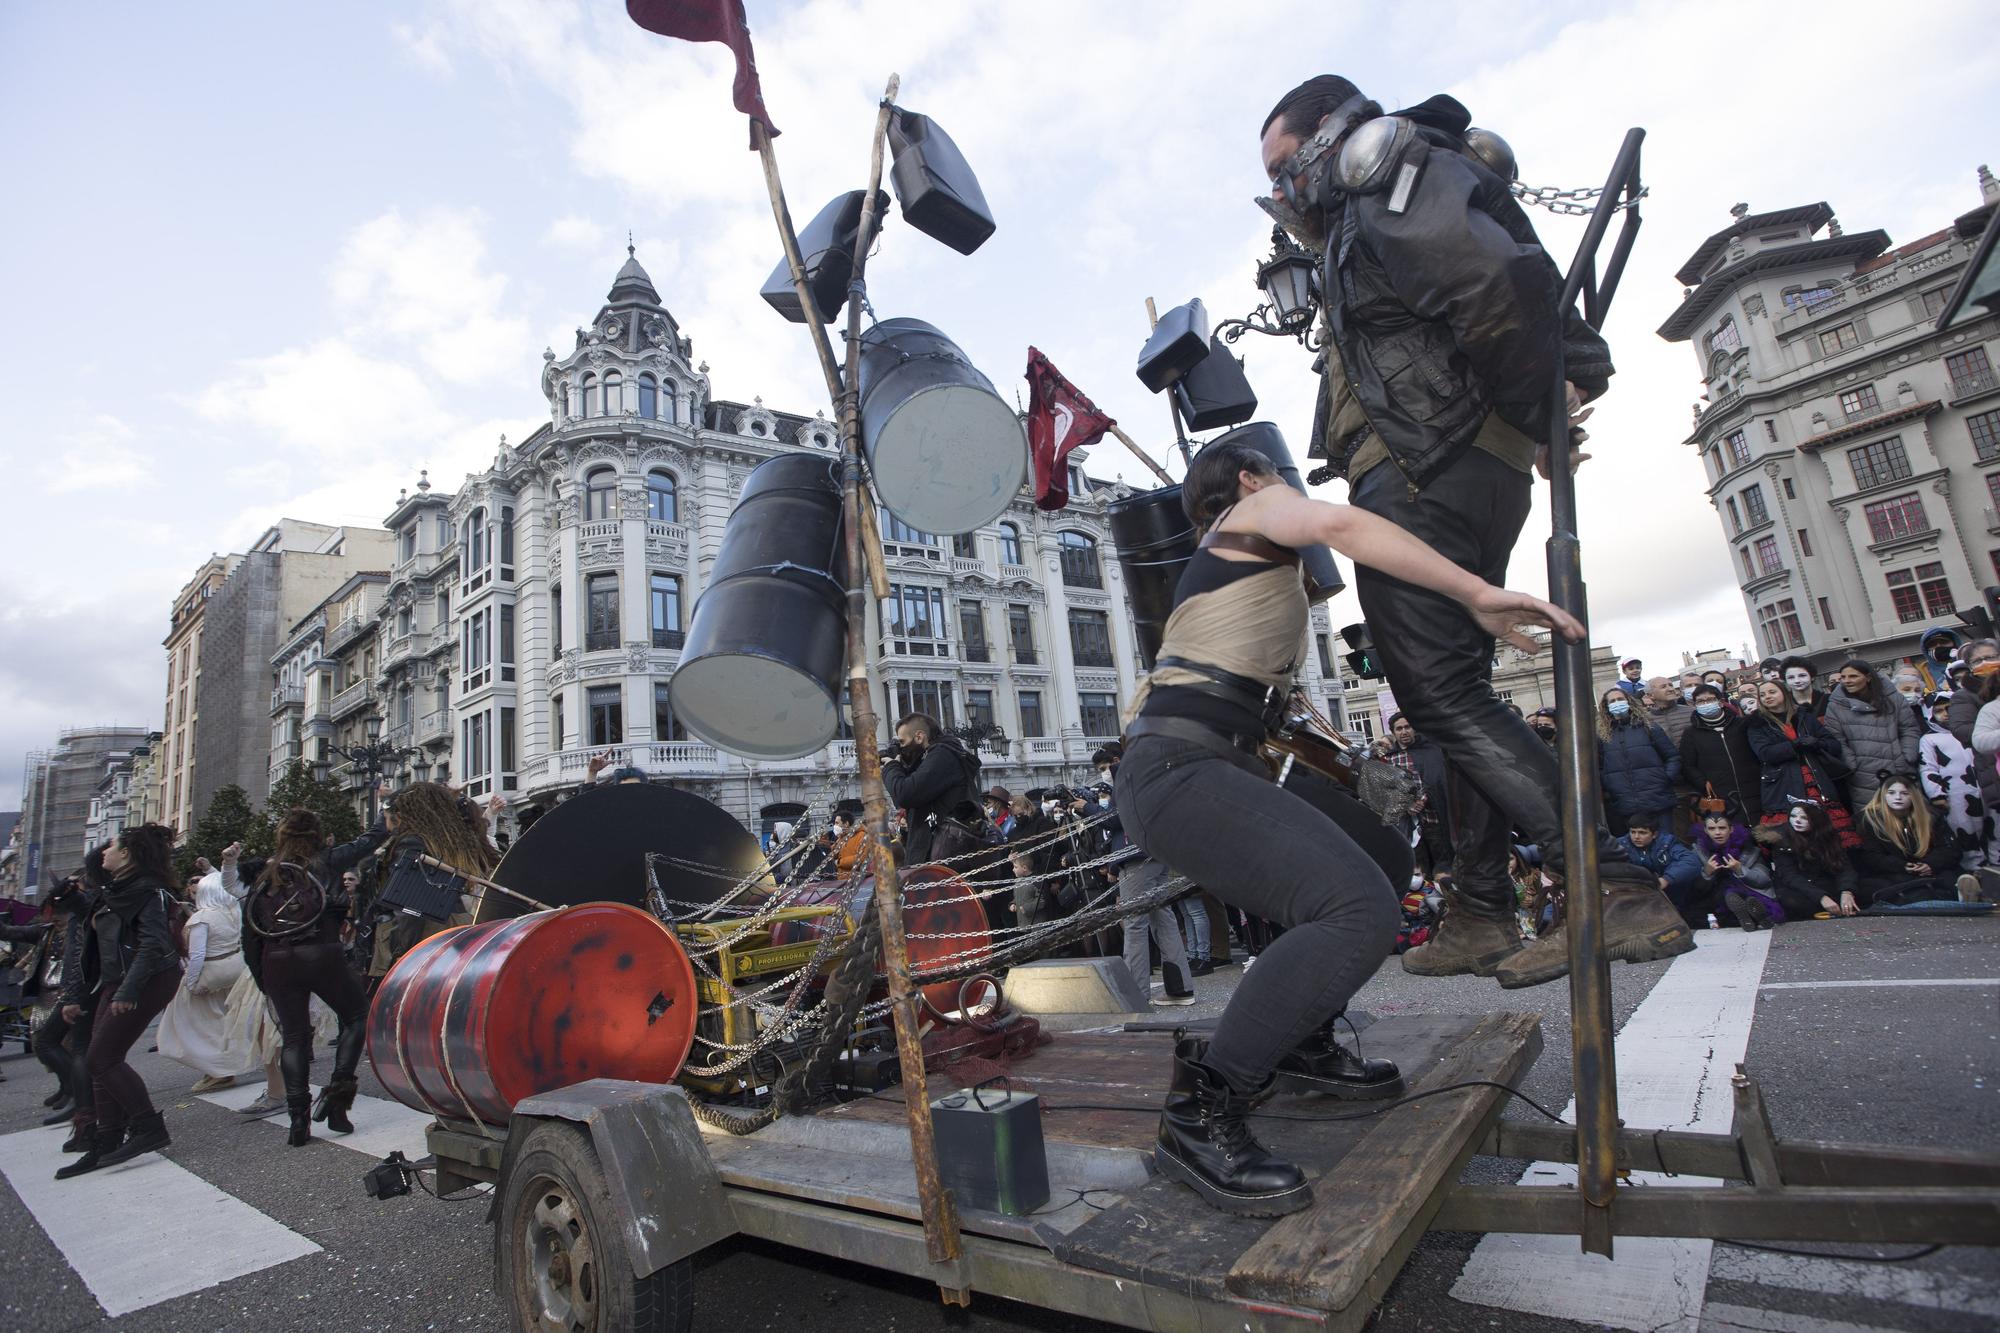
{"type": "Point", "coordinates": [292, 975]}
{"type": "Point", "coordinates": [1258, 847]}
{"type": "Point", "coordinates": [1500, 776]}
{"type": "Point", "coordinates": [118, 1094]}
{"type": "Point", "coordinates": [59, 1045]}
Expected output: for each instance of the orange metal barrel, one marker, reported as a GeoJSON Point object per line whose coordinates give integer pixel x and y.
{"type": "Point", "coordinates": [477, 1018]}
{"type": "Point", "coordinates": [940, 916]}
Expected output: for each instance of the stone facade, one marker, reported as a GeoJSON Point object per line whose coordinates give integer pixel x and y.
{"type": "Point", "coordinates": [62, 785]}
{"type": "Point", "coordinates": [535, 617]}
{"type": "Point", "coordinates": [1852, 449]}
{"type": "Point", "coordinates": [183, 644]}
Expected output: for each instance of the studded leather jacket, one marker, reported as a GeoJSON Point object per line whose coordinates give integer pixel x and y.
{"type": "Point", "coordinates": [1442, 306]}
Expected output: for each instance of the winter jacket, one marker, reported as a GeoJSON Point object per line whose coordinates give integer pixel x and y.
{"type": "Point", "coordinates": [135, 940]}
{"type": "Point", "coordinates": [1873, 739]}
{"type": "Point", "coordinates": [332, 864]}
{"type": "Point", "coordinates": [1443, 308]}
{"type": "Point", "coordinates": [1717, 754]}
{"type": "Point", "coordinates": [1965, 717]}
{"type": "Point", "coordinates": [1951, 779]}
{"type": "Point", "coordinates": [1784, 758]}
{"type": "Point", "coordinates": [946, 777]}
{"type": "Point", "coordinates": [1638, 767]}
{"type": "Point", "coordinates": [1427, 762]}
{"type": "Point", "coordinates": [1799, 885]}
{"type": "Point", "coordinates": [1878, 862]}
{"type": "Point", "coordinates": [79, 959]}
{"type": "Point", "coordinates": [1667, 857]}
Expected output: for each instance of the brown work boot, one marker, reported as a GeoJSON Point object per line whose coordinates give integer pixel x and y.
{"type": "Point", "coordinates": [1464, 943]}
{"type": "Point", "coordinates": [1640, 926]}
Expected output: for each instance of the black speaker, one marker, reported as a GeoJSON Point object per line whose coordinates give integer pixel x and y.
{"type": "Point", "coordinates": [1179, 340]}
{"type": "Point", "coordinates": [827, 247]}
{"type": "Point", "coordinates": [939, 194]}
{"type": "Point", "coordinates": [1215, 392]}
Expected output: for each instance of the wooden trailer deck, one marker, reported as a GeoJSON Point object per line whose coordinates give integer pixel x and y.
{"type": "Point", "coordinates": [1116, 1241]}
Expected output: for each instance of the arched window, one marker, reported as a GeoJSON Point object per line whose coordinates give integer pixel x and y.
{"type": "Point", "coordinates": [1078, 552]}
{"type": "Point", "coordinates": [649, 397]}
{"type": "Point", "coordinates": [1010, 545]}
{"type": "Point", "coordinates": [614, 394]}
{"type": "Point", "coordinates": [590, 399]}
{"type": "Point", "coordinates": [563, 410]}
{"type": "Point", "coordinates": [670, 401]}
{"type": "Point", "coordinates": [600, 495]}
{"type": "Point", "coordinates": [477, 544]}
{"type": "Point", "coordinates": [662, 504]}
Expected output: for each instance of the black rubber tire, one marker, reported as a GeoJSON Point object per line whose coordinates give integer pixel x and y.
{"type": "Point", "coordinates": [556, 1161]}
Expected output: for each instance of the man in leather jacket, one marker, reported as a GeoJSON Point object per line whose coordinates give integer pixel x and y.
{"type": "Point", "coordinates": [930, 775]}
{"type": "Point", "coordinates": [1442, 372]}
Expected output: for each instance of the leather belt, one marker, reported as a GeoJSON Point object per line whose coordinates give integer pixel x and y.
{"type": "Point", "coordinates": [1238, 749]}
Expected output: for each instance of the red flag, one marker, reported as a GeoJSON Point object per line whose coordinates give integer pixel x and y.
{"type": "Point", "coordinates": [1060, 419]}
{"type": "Point", "coordinates": [711, 21]}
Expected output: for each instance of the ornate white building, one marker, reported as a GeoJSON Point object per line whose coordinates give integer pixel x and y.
{"type": "Point", "coordinates": [535, 617]}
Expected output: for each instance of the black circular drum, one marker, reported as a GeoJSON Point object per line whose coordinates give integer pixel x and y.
{"type": "Point", "coordinates": [1155, 541]}
{"type": "Point", "coordinates": [1322, 574]}
{"type": "Point", "coordinates": [760, 675]}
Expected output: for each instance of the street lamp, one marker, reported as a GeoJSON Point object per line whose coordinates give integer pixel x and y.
{"type": "Point", "coordinates": [374, 758]}
{"type": "Point", "coordinates": [1287, 278]}
{"type": "Point", "coordinates": [978, 734]}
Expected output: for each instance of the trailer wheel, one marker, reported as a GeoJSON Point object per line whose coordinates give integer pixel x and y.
{"type": "Point", "coordinates": [564, 1263]}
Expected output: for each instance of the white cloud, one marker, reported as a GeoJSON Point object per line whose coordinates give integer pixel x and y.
{"type": "Point", "coordinates": [422, 282]}
{"type": "Point", "coordinates": [425, 47]}
{"type": "Point", "coordinates": [101, 453]}
{"type": "Point", "coordinates": [571, 232]}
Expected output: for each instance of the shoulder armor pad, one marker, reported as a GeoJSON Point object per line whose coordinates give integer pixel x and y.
{"type": "Point", "coordinates": [1369, 156]}
{"type": "Point", "coordinates": [1494, 152]}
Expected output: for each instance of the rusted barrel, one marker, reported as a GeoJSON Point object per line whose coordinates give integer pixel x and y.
{"type": "Point", "coordinates": [477, 1018]}
{"type": "Point", "coordinates": [941, 918]}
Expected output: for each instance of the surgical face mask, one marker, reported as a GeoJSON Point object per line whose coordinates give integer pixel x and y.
{"type": "Point", "coordinates": [1800, 820]}
{"type": "Point", "coordinates": [1898, 798]}
{"type": "Point", "coordinates": [1913, 694]}
{"type": "Point", "coordinates": [1687, 693]}
{"type": "Point", "coordinates": [1798, 680]}
{"type": "Point", "coordinates": [1708, 708]}
{"type": "Point", "coordinates": [1104, 802]}
{"type": "Point", "coordinates": [1048, 807]}
{"type": "Point", "coordinates": [1618, 708]}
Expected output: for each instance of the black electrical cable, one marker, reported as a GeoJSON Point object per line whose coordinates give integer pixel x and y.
{"type": "Point", "coordinates": [480, 1191]}
{"type": "Point", "coordinates": [1151, 1108]}
{"type": "Point", "coordinates": [1922, 1252]}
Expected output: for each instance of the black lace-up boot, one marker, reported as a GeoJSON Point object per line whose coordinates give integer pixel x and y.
{"type": "Point", "coordinates": [1206, 1144]}
{"type": "Point", "coordinates": [1321, 1064]}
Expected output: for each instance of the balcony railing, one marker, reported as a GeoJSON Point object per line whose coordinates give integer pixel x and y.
{"type": "Point", "coordinates": [977, 652]}
{"type": "Point", "coordinates": [965, 564]}
{"type": "Point", "coordinates": [1978, 381]}
{"type": "Point", "coordinates": [349, 699]}
{"type": "Point", "coordinates": [1093, 657]}
{"type": "Point", "coordinates": [1016, 572]}
{"type": "Point", "coordinates": [346, 632]}
{"type": "Point", "coordinates": [664, 532]}
{"type": "Point", "coordinates": [600, 531]}
{"type": "Point", "coordinates": [669, 638]}
{"type": "Point", "coordinates": [600, 640]}
{"type": "Point", "coordinates": [434, 725]}
{"type": "Point", "coordinates": [284, 696]}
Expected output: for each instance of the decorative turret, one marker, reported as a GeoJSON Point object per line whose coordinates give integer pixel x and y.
{"type": "Point", "coordinates": [631, 360]}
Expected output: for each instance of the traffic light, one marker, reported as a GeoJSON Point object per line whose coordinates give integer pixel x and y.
{"type": "Point", "coordinates": [1362, 662]}
{"type": "Point", "coordinates": [1981, 620]}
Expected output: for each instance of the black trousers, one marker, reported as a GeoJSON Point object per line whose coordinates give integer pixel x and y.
{"type": "Point", "coordinates": [1500, 776]}
{"type": "Point", "coordinates": [291, 976]}
{"type": "Point", "coordinates": [59, 1045]}
{"type": "Point", "coordinates": [118, 1094]}
{"type": "Point", "coordinates": [1261, 848]}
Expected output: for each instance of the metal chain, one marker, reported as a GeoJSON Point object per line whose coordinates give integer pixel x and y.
{"type": "Point", "coordinates": [1569, 203]}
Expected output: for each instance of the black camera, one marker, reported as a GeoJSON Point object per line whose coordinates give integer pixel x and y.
{"type": "Point", "coordinates": [389, 1178]}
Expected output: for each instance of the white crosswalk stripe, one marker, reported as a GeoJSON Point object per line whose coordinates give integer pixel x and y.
{"type": "Point", "coordinates": [381, 1126]}
{"type": "Point", "coordinates": [1720, 1318]}
{"type": "Point", "coordinates": [1921, 1287]}
{"type": "Point", "coordinates": [108, 1224]}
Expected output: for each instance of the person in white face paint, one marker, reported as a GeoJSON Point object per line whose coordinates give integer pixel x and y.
{"type": "Point", "coordinates": [1798, 681]}
{"type": "Point", "coordinates": [1810, 870]}
{"type": "Point", "coordinates": [1908, 854]}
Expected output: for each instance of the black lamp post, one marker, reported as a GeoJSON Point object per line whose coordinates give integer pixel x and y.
{"type": "Point", "coordinates": [374, 759]}
{"type": "Point", "coordinates": [1288, 278]}
{"type": "Point", "coordinates": [978, 734]}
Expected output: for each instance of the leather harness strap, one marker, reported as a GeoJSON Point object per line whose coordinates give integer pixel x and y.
{"type": "Point", "coordinates": [1251, 544]}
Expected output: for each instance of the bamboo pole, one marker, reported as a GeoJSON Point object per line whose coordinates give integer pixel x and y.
{"type": "Point", "coordinates": [1142, 455]}
{"type": "Point", "coordinates": [865, 567]}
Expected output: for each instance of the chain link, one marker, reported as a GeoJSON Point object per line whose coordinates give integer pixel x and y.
{"type": "Point", "coordinates": [1569, 203]}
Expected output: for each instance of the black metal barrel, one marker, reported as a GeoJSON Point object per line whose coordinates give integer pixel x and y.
{"type": "Point", "coordinates": [1322, 574]}
{"type": "Point", "coordinates": [946, 452]}
{"type": "Point", "coordinates": [1155, 541]}
{"type": "Point", "coordinates": [760, 675]}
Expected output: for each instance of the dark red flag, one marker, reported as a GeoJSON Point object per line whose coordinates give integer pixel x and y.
{"type": "Point", "coordinates": [1060, 419]}
{"type": "Point", "coordinates": [711, 21]}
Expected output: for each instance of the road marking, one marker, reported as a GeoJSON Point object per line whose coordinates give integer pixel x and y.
{"type": "Point", "coordinates": [1866, 985]}
{"type": "Point", "coordinates": [110, 1224]}
{"type": "Point", "coordinates": [1926, 1287]}
{"type": "Point", "coordinates": [1675, 1056]}
{"type": "Point", "coordinates": [380, 1126]}
{"type": "Point", "coordinates": [1732, 1318]}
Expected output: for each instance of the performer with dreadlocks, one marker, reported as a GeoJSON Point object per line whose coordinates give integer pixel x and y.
{"type": "Point", "coordinates": [292, 917]}
{"type": "Point", "coordinates": [1193, 793]}
{"type": "Point", "coordinates": [429, 818]}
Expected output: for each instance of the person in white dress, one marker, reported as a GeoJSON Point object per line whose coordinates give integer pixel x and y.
{"type": "Point", "coordinates": [195, 1028]}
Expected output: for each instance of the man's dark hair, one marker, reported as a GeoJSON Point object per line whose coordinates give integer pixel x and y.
{"type": "Point", "coordinates": [1211, 486]}
{"type": "Point", "coordinates": [1801, 662]}
{"type": "Point", "coordinates": [923, 722]}
{"type": "Point", "coordinates": [1646, 822]}
{"type": "Point", "coordinates": [1394, 718]}
{"type": "Point", "coordinates": [1305, 106]}
{"type": "Point", "coordinates": [1102, 757]}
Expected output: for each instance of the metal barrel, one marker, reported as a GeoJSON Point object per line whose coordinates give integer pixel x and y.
{"type": "Point", "coordinates": [943, 920]}
{"type": "Point", "coordinates": [1155, 540]}
{"type": "Point", "coordinates": [760, 675]}
{"type": "Point", "coordinates": [947, 453]}
{"type": "Point", "coordinates": [477, 1018]}
{"type": "Point", "coordinates": [1323, 578]}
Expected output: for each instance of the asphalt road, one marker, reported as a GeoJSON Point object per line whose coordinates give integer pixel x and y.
{"type": "Point", "coordinates": [1887, 1062]}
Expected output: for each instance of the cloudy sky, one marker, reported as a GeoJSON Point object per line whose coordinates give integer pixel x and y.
{"type": "Point", "coordinates": [269, 260]}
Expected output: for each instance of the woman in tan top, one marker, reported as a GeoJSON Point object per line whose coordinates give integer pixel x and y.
{"type": "Point", "coordinates": [1193, 794]}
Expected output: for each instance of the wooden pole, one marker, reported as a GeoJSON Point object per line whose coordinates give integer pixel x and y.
{"type": "Point", "coordinates": [1142, 455]}
{"type": "Point", "coordinates": [865, 566]}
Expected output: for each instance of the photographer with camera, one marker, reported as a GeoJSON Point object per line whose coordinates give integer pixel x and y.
{"type": "Point", "coordinates": [930, 774]}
